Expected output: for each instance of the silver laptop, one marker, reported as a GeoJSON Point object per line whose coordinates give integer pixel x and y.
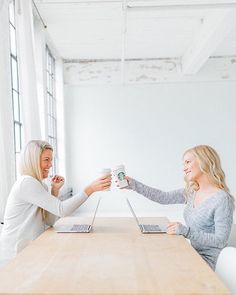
{"type": "Point", "coordinates": [148, 228]}
{"type": "Point", "coordinates": [77, 228]}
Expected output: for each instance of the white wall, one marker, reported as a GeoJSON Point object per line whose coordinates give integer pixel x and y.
{"type": "Point", "coordinates": [147, 128]}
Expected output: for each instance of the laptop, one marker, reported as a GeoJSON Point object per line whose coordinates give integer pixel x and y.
{"type": "Point", "coordinates": [77, 228]}
{"type": "Point", "coordinates": [148, 228]}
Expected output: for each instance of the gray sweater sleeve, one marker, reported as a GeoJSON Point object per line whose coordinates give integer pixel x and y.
{"type": "Point", "coordinates": [172, 197]}
{"type": "Point", "coordinates": [223, 219]}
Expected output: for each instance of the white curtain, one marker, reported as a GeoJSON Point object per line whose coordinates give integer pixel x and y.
{"type": "Point", "coordinates": [27, 69]}
{"type": "Point", "coordinates": [41, 40]}
{"type": "Point", "coordinates": [40, 61]}
{"type": "Point", "coordinates": [7, 160]}
{"type": "Point", "coordinates": [1, 4]}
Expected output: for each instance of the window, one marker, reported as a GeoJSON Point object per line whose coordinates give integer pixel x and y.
{"type": "Point", "coordinates": [15, 85]}
{"type": "Point", "coordinates": [51, 105]}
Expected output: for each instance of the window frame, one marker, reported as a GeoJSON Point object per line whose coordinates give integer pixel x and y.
{"type": "Point", "coordinates": [51, 106]}
{"type": "Point", "coordinates": [15, 87]}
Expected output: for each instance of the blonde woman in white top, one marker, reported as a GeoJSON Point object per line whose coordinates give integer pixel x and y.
{"type": "Point", "coordinates": [30, 207]}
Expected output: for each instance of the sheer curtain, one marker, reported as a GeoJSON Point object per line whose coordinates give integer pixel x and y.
{"type": "Point", "coordinates": [32, 89]}
{"type": "Point", "coordinates": [40, 61]}
{"type": "Point", "coordinates": [41, 40]}
{"type": "Point", "coordinates": [1, 4]}
{"type": "Point", "coordinates": [28, 91]}
{"type": "Point", "coordinates": [7, 160]}
{"type": "Point", "coordinates": [27, 70]}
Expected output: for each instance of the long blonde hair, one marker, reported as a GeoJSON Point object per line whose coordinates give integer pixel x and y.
{"type": "Point", "coordinates": [210, 164]}
{"type": "Point", "coordinates": [30, 158]}
{"type": "Point", "coordinates": [30, 163]}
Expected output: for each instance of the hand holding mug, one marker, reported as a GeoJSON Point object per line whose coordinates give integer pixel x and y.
{"type": "Point", "coordinates": [100, 184]}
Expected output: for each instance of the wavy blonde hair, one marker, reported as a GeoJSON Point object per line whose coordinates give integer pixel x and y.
{"type": "Point", "coordinates": [30, 158]}
{"type": "Point", "coordinates": [210, 164]}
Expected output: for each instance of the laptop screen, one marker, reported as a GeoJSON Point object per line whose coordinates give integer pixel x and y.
{"type": "Point", "coordinates": [132, 211]}
{"type": "Point", "coordinates": [95, 212]}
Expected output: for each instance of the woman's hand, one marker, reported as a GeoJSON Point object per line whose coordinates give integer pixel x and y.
{"type": "Point", "coordinates": [100, 184]}
{"type": "Point", "coordinates": [117, 182]}
{"type": "Point", "coordinates": [172, 228]}
{"type": "Point", "coordinates": [57, 182]}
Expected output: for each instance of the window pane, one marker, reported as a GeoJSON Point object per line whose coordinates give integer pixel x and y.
{"type": "Point", "coordinates": [51, 141]}
{"type": "Point", "coordinates": [55, 147]}
{"type": "Point", "coordinates": [49, 64]}
{"type": "Point", "coordinates": [48, 81]}
{"type": "Point", "coordinates": [17, 137]}
{"type": "Point", "coordinates": [47, 57]}
{"type": "Point", "coordinates": [51, 85]}
{"type": "Point", "coordinates": [13, 40]}
{"type": "Point", "coordinates": [53, 107]}
{"type": "Point", "coordinates": [16, 106]}
{"type": "Point", "coordinates": [54, 126]}
{"type": "Point", "coordinates": [51, 103]}
{"type": "Point", "coordinates": [15, 84]}
{"type": "Point", "coordinates": [12, 13]}
{"type": "Point", "coordinates": [48, 103]}
{"type": "Point", "coordinates": [17, 159]}
{"type": "Point", "coordinates": [50, 106]}
{"type": "Point", "coordinates": [14, 74]}
{"type": "Point", "coordinates": [50, 126]}
{"type": "Point", "coordinates": [53, 68]}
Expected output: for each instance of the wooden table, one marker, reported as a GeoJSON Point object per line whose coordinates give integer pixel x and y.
{"type": "Point", "coordinates": [113, 259]}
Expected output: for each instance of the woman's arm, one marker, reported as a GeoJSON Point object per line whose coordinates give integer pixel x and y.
{"type": "Point", "coordinates": [33, 192]}
{"type": "Point", "coordinates": [57, 182]}
{"type": "Point", "coordinates": [172, 197]}
{"type": "Point", "coordinates": [50, 218]}
{"type": "Point", "coordinates": [223, 220]}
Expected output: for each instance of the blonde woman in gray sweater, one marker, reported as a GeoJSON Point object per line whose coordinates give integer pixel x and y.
{"type": "Point", "coordinates": [30, 207]}
{"type": "Point", "coordinates": [209, 205]}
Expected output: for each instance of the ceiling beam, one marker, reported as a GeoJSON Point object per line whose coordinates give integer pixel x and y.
{"type": "Point", "coordinates": [146, 3]}
{"type": "Point", "coordinates": [214, 29]}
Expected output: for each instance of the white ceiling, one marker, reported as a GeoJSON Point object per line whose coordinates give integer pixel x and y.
{"type": "Point", "coordinates": [101, 29]}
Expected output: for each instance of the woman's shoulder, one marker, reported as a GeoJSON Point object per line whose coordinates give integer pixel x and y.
{"type": "Point", "coordinates": [224, 198]}
{"type": "Point", "coordinates": [223, 195]}
{"type": "Point", "coordinates": [23, 184]}
{"type": "Point", "coordinates": [27, 186]}
{"type": "Point", "coordinates": [27, 180]}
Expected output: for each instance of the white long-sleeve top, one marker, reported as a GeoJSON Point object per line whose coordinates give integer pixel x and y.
{"type": "Point", "coordinates": [23, 220]}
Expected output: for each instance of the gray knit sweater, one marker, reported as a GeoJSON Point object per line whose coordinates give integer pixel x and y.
{"type": "Point", "coordinates": [208, 225]}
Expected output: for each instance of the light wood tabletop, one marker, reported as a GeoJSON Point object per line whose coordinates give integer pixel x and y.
{"type": "Point", "coordinates": [115, 258]}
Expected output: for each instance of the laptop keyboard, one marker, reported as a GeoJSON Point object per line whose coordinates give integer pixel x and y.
{"type": "Point", "coordinates": [151, 227]}
{"type": "Point", "coordinates": [80, 227]}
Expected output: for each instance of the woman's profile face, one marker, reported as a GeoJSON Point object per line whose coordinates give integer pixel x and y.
{"type": "Point", "coordinates": [46, 162]}
{"type": "Point", "coordinates": [191, 167]}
